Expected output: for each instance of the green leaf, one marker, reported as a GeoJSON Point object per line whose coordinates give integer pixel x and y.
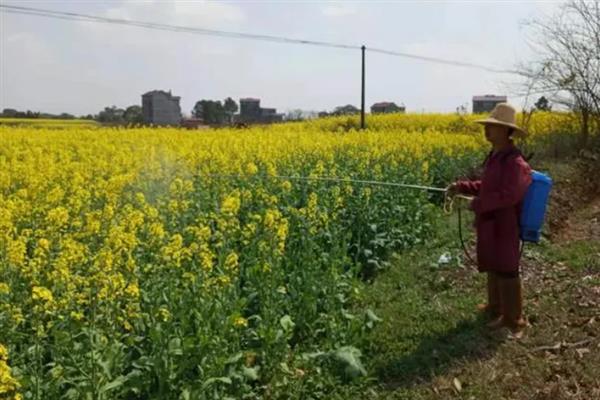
{"type": "Point", "coordinates": [120, 380]}
{"type": "Point", "coordinates": [313, 355]}
{"type": "Point", "coordinates": [371, 316]}
{"type": "Point", "coordinates": [372, 319]}
{"type": "Point", "coordinates": [105, 364]}
{"type": "Point", "coordinates": [175, 347]}
{"type": "Point", "coordinates": [250, 373]}
{"type": "Point", "coordinates": [221, 379]}
{"type": "Point", "coordinates": [347, 315]}
{"type": "Point", "coordinates": [185, 395]}
{"type": "Point", "coordinates": [286, 323]}
{"type": "Point", "coordinates": [285, 368]}
{"type": "Point", "coordinates": [71, 394]}
{"type": "Point", "coordinates": [235, 358]}
{"type": "Point", "coordinates": [349, 358]}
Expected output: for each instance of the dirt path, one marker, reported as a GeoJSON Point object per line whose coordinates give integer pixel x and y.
{"type": "Point", "coordinates": [574, 210]}
{"type": "Point", "coordinates": [583, 224]}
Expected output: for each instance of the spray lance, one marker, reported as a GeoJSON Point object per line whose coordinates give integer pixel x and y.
{"type": "Point", "coordinates": [532, 213]}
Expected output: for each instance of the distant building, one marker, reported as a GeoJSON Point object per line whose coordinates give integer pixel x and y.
{"type": "Point", "coordinates": [251, 112]}
{"type": "Point", "coordinates": [161, 108]}
{"type": "Point", "coordinates": [270, 115]}
{"type": "Point", "coordinates": [482, 104]}
{"type": "Point", "coordinates": [387, 107]}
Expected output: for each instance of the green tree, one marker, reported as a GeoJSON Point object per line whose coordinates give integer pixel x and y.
{"type": "Point", "coordinates": [348, 109]}
{"type": "Point", "coordinates": [133, 115]}
{"type": "Point", "coordinates": [230, 107]}
{"type": "Point", "coordinates": [111, 115]}
{"type": "Point", "coordinates": [294, 115]}
{"type": "Point", "coordinates": [211, 112]}
{"type": "Point", "coordinates": [543, 104]}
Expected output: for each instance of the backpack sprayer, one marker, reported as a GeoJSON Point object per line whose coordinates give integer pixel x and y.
{"type": "Point", "coordinates": [534, 207]}
{"type": "Point", "coordinates": [532, 213]}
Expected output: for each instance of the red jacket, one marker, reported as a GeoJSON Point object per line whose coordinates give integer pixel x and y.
{"type": "Point", "coordinates": [497, 206]}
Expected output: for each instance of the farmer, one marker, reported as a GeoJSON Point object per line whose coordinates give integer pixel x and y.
{"type": "Point", "coordinates": [497, 207]}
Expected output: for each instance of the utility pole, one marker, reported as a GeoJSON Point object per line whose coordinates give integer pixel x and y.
{"type": "Point", "coordinates": [362, 96]}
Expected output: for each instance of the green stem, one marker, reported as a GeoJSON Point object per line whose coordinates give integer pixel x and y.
{"type": "Point", "coordinates": [91, 336]}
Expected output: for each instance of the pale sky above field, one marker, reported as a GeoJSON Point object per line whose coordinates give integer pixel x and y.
{"type": "Point", "coordinates": [78, 67]}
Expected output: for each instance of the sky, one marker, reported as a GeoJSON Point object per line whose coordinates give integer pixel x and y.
{"type": "Point", "coordinates": [80, 67]}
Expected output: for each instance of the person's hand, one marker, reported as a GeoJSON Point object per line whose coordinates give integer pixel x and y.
{"type": "Point", "coordinates": [452, 189]}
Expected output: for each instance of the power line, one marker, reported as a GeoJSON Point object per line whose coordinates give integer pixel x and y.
{"type": "Point", "coordinates": [441, 61]}
{"type": "Point", "coordinates": [237, 35]}
{"type": "Point", "coordinates": [158, 26]}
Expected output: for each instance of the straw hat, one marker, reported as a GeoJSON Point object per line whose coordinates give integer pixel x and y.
{"type": "Point", "coordinates": [504, 114]}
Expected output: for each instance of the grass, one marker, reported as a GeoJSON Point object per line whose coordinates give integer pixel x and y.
{"type": "Point", "coordinates": [428, 319]}
{"type": "Point", "coordinates": [432, 344]}
{"type": "Point", "coordinates": [579, 254]}
{"type": "Point", "coordinates": [414, 299]}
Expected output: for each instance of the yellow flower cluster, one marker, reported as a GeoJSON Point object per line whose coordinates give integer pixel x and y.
{"type": "Point", "coordinates": [113, 228]}
{"type": "Point", "coordinates": [240, 322]}
{"type": "Point", "coordinates": [8, 384]}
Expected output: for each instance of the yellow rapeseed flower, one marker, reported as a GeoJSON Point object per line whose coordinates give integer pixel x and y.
{"type": "Point", "coordinates": [41, 293]}
{"type": "Point", "coordinates": [231, 262]}
{"type": "Point", "coordinates": [231, 204]}
{"type": "Point", "coordinates": [251, 168]}
{"type": "Point", "coordinates": [4, 288]}
{"type": "Point", "coordinates": [133, 290]}
{"type": "Point", "coordinates": [240, 322]}
{"type": "Point", "coordinates": [58, 217]}
{"type": "Point", "coordinates": [89, 213]}
{"type": "Point", "coordinates": [8, 384]}
{"type": "Point", "coordinates": [164, 314]}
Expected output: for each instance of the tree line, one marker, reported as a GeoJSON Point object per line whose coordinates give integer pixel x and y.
{"type": "Point", "coordinates": [211, 112]}
{"type": "Point", "coordinates": [13, 113]}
